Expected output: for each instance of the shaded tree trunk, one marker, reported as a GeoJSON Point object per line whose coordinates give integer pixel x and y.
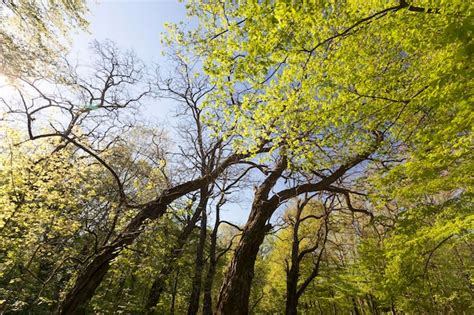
{"type": "Point", "coordinates": [292, 271]}
{"type": "Point", "coordinates": [199, 262]}
{"type": "Point", "coordinates": [94, 271]}
{"type": "Point", "coordinates": [158, 285]}
{"type": "Point", "coordinates": [354, 304]}
{"type": "Point", "coordinates": [291, 293]}
{"type": "Point", "coordinates": [235, 292]}
{"type": "Point", "coordinates": [174, 292]}
{"type": "Point", "coordinates": [207, 304]}
{"type": "Point", "coordinates": [211, 272]}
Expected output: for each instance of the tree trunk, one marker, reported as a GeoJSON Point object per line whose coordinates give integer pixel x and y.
{"type": "Point", "coordinates": [235, 292]}
{"type": "Point", "coordinates": [292, 271]}
{"type": "Point", "coordinates": [199, 262]}
{"type": "Point", "coordinates": [211, 272]}
{"type": "Point", "coordinates": [292, 287]}
{"type": "Point", "coordinates": [157, 288]}
{"type": "Point", "coordinates": [393, 309]}
{"type": "Point", "coordinates": [93, 273]}
{"type": "Point", "coordinates": [291, 295]}
{"type": "Point", "coordinates": [91, 277]}
{"type": "Point", "coordinates": [174, 292]}
{"type": "Point", "coordinates": [354, 304]}
{"type": "Point", "coordinates": [158, 285]}
{"type": "Point", "coordinates": [207, 304]}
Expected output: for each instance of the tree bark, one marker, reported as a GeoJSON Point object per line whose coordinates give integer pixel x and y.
{"type": "Point", "coordinates": [207, 304]}
{"type": "Point", "coordinates": [211, 272]}
{"type": "Point", "coordinates": [158, 285]}
{"type": "Point", "coordinates": [291, 292]}
{"type": "Point", "coordinates": [292, 271]}
{"type": "Point", "coordinates": [94, 271]}
{"type": "Point", "coordinates": [174, 292]}
{"type": "Point", "coordinates": [235, 291]}
{"type": "Point", "coordinates": [199, 262]}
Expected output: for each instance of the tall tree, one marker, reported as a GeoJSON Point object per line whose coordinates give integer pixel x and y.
{"type": "Point", "coordinates": [293, 265]}
{"type": "Point", "coordinates": [316, 80]}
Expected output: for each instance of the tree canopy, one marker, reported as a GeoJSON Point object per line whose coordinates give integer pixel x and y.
{"type": "Point", "coordinates": [348, 125]}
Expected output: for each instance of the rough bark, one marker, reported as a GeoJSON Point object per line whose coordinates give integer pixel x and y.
{"type": "Point", "coordinates": [235, 292]}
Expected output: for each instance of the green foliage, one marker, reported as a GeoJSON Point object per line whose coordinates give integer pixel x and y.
{"type": "Point", "coordinates": [34, 34]}
{"type": "Point", "coordinates": [132, 273]}
{"type": "Point", "coordinates": [42, 198]}
{"type": "Point", "coordinates": [318, 78]}
{"type": "Point", "coordinates": [427, 257]}
{"type": "Point", "coordinates": [317, 81]}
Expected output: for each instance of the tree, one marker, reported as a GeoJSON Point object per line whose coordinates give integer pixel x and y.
{"type": "Point", "coordinates": [412, 265]}
{"type": "Point", "coordinates": [107, 95]}
{"type": "Point", "coordinates": [43, 197]}
{"type": "Point", "coordinates": [32, 34]}
{"type": "Point", "coordinates": [362, 106]}
{"type": "Point", "coordinates": [236, 287]}
{"type": "Point", "coordinates": [198, 152]}
{"type": "Point", "coordinates": [292, 265]}
{"type": "Point", "coordinates": [318, 80]}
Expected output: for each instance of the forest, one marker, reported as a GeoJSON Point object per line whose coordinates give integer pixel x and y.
{"type": "Point", "coordinates": [342, 127]}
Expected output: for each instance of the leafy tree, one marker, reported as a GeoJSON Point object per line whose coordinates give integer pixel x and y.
{"type": "Point", "coordinates": [366, 106]}
{"type": "Point", "coordinates": [33, 34]}
{"type": "Point", "coordinates": [317, 80]}
{"type": "Point", "coordinates": [43, 200]}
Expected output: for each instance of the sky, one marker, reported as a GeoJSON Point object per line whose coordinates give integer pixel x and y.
{"type": "Point", "coordinates": [135, 25]}
{"type": "Point", "coordinates": [138, 25]}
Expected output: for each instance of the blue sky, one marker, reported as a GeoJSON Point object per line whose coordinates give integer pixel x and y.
{"type": "Point", "coordinates": [138, 25]}
{"type": "Point", "coordinates": [131, 24]}
{"type": "Point", "coordinates": [135, 25]}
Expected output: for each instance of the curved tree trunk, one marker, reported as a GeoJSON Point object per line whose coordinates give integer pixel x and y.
{"type": "Point", "coordinates": [93, 273]}
{"type": "Point", "coordinates": [91, 277]}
